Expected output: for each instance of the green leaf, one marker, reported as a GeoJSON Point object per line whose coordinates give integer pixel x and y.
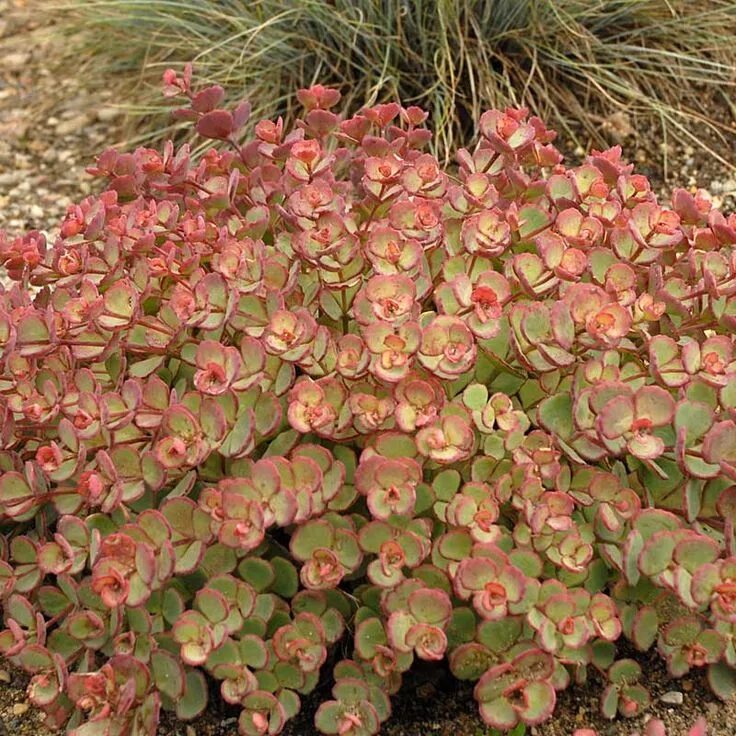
{"type": "Point", "coordinates": [194, 700]}
{"type": "Point", "coordinates": [261, 574]}
{"type": "Point", "coordinates": [722, 680]}
{"type": "Point", "coordinates": [609, 702]}
{"type": "Point", "coordinates": [555, 415]}
{"type": "Point", "coordinates": [624, 671]}
{"type": "Point", "coordinates": [167, 674]}
{"type": "Point", "coordinates": [285, 578]}
{"type": "Point", "coordinates": [446, 484]}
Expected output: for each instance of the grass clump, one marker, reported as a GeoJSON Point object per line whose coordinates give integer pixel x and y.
{"type": "Point", "coordinates": [575, 62]}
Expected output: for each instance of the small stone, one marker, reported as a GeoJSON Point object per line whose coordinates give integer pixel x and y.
{"type": "Point", "coordinates": [107, 114]}
{"type": "Point", "coordinates": [36, 212]}
{"type": "Point", "coordinates": [191, 731]}
{"type": "Point", "coordinates": [16, 61]}
{"type": "Point", "coordinates": [4, 676]}
{"type": "Point", "coordinates": [74, 125]}
{"type": "Point", "coordinates": [20, 708]}
{"type": "Point", "coordinates": [673, 697]}
{"type": "Point", "coordinates": [687, 685]}
{"type": "Point", "coordinates": [619, 125]}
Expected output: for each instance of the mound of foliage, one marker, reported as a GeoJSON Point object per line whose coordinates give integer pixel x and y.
{"type": "Point", "coordinates": [572, 61]}
{"type": "Point", "coordinates": [316, 403]}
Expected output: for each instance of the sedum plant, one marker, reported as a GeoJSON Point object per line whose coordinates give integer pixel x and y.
{"type": "Point", "coordinates": [314, 396]}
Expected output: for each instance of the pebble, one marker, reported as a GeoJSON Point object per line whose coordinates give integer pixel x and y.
{"type": "Point", "coordinates": [20, 708]}
{"type": "Point", "coordinates": [191, 731]}
{"type": "Point", "coordinates": [16, 61]}
{"type": "Point", "coordinates": [673, 697]}
{"type": "Point", "coordinates": [5, 676]}
{"type": "Point", "coordinates": [36, 211]}
{"type": "Point", "coordinates": [74, 125]}
{"type": "Point", "coordinates": [107, 114]}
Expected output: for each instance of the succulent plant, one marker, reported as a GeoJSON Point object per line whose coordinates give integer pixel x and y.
{"type": "Point", "coordinates": [313, 392]}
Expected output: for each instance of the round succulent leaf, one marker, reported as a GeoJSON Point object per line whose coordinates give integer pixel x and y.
{"type": "Point", "coordinates": [333, 625]}
{"type": "Point", "coordinates": [52, 600]}
{"type": "Point", "coordinates": [634, 701]}
{"type": "Point", "coordinates": [534, 664]}
{"type": "Point", "coordinates": [722, 680]}
{"type": "Point", "coordinates": [261, 574]}
{"type": "Point", "coordinates": [624, 672]}
{"type": "Point", "coordinates": [539, 699]}
{"type": "Point", "coordinates": [603, 653]}
{"type": "Point", "coordinates": [168, 674]}
{"type": "Point", "coordinates": [656, 555]}
{"type": "Point", "coordinates": [328, 718]}
{"type": "Point", "coordinates": [719, 444]}
{"type": "Point", "coordinates": [350, 691]}
{"type": "Point", "coordinates": [470, 660]}
{"type": "Point", "coordinates": [555, 414]}
{"type": "Point", "coordinates": [430, 606]}
{"type": "Point", "coordinates": [288, 675]}
{"type": "Point", "coordinates": [267, 681]}
{"type": "Point", "coordinates": [610, 701]}
{"type": "Point", "coordinates": [369, 634]}
{"type": "Point", "coordinates": [694, 552]}
{"type": "Point", "coordinates": [499, 636]}
{"type": "Point", "coordinates": [35, 658]}
{"type": "Point", "coordinates": [713, 643]}
{"type": "Point", "coordinates": [695, 417]}
{"type": "Point", "coordinates": [16, 497]}
{"type": "Point", "coordinates": [475, 396]}
{"type": "Point", "coordinates": [44, 690]}
{"type": "Point", "coordinates": [194, 699]}
{"type": "Point", "coordinates": [212, 604]}
{"type": "Point", "coordinates": [644, 628]}
{"type": "Point", "coordinates": [316, 534]}
{"type": "Point", "coordinates": [498, 713]}
{"type": "Point", "coordinates": [290, 702]}
{"type": "Point", "coordinates": [446, 484]}
{"type": "Point", "coordinates": [462, 626]}
{"type": "Point", "coordinates": [398, 627]}
{"type": "Point", "coordinates": [682, 632]}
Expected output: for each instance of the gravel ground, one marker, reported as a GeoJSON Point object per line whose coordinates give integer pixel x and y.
{"type": "Point", "coordinates": [51, 128]}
